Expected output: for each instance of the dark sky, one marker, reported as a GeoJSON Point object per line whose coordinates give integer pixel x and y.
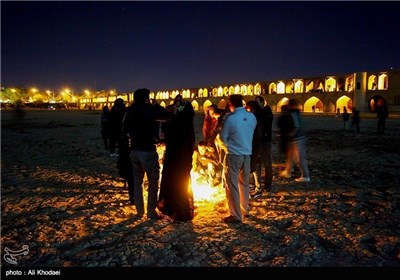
{"type": "Point", "coordinates": [175, 45]}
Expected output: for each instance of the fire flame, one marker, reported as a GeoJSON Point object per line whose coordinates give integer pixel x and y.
{"type": "Point", "coordinates": [202, 190]}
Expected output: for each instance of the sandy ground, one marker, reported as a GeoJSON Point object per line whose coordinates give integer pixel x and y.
{"type": "Point", "coordinates": [62, 197]}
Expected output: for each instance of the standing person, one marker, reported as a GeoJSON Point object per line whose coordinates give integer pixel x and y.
{"type": "Point", "coordinates": [207, 126]}
{"type": "Point", "coordinates": [105, 127]}
{"type": "Point", "coordinates": [355, 119]}
{"type": "Point", "coordinates": [176, 198]}
{"type": "Point", "coordinates": [139, 123]}
{"type": "Point", "coordinates": [218, 116]}
{"type": "Point", "coordinates": [382, 113]}
{"type": "Point", "coordinates": [255, 160]}
{"type": "Point", "coordinates": [267, 119]}
{"type": "Point", "coordinates": [116, 116]}
{"type": "Point", "coordinates": [295, 147]}
{"type": "Point", "coordinates": [237, 135]}
{"type": "Point", "coordinates": [345, 117]}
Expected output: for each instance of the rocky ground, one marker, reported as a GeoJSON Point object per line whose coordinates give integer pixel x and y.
{"type": "Point", "coordinates": [62, 197]}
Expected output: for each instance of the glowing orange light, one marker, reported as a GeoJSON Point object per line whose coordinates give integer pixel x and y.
{"type": "Point", "coordinates": [202, 190]}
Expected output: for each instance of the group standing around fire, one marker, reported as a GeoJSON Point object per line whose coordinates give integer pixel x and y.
{"type": "Point", "coordinates": [236, 145]}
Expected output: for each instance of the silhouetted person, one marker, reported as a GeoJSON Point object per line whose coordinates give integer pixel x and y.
{"type": "Point", "coordinates": [176, 197]}
{"type": "Point", "coordinates": [116, 116]}
{"type": "Point", "coordinates": [255, 160]}
{"type": "Point", "coordinates": [382, 113]}
{"type": "Point", "coordinates": [355, 119]}
{"type": "Point", "coordinates": [296, 138]}
{"type": "Point", "coordinates": [346, 117]}
{"type": "Point", "coordinates": [139, 123]}
{"type": "Point", "coordinates": [105, 127]}
{"type": "Point", "coordinates": [19, 112]}
{"type": "Point", "coordinates": [266, 139]}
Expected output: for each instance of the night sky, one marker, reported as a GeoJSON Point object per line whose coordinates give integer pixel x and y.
{"type": "Point", "coordinates": [178, 45]}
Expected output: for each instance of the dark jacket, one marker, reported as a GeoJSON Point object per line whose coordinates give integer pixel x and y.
{"type": "Point", "coordinates": [140, 122]}
{"type": "Point", "coordinates": [267, 119]}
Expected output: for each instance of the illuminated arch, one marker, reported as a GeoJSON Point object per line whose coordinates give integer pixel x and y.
{"type": "Point", "coordinates": [186, 93]}
{"type": "Point", "coordinates": [330, 85]}
{"type": "Point", "coordinates": [206, 104]}
{"type": "Point", "coordinates": [237, 89]}
{"type": "Point", "coordinates": [152, 95]}
{"type": "Point", "coordinates": [205, 92]}
{"type": "Point", "coordinates": [214, 92]}
{"type": "Point", "coordinates": [281, 88]}
{"type": "Point", "coordinates": [257, 89]}
{"type": "Point", "coordinates": [289, 87]}
{"type": "Point", "coordinates": [383, 82]}
{"type": "Point", "coordinates": [313, 101]}
{"type": "Point", "coordinates": [226, 91]}
{"type": "Point", "coordinates": [374, 101]}
{"type": "Point", "coordinates": [171, 103]}
{"type": "Point", "coordinates": [298, 86]}
{"type": "Point", "coordinates": [340, 84]}
{"type": "Point", "coordinates": [195, 105]}
{"type": "Point", "coordinates": [310, 86]}
{"type": "Point", "coordinates": [272, 88]}
{"type": "Point", "coordinates": [162, 104]}
{"type": "Point", "coordinates": [372, 82]}
{"type": "Point", "coordinates": [243, 90]}
{"type": "Point", "coordinates": [280, 103]}
{"type": "Point", "coordinates": [165, 95]}
{"type": "Point", "coordinates": [231, 90]}
{"type": "Point", "coordinates": [220, 92]}
{"type": "Point", "coordinates": [344, 101]}
{"type": "Point", "coordinates": [350, 83]}
{"type": "Point", "coordinates": [200, 92]}
{"type": "Point", "coordinates": [320, 85]}
{"type": "Point", "coordinates": [250, 90]}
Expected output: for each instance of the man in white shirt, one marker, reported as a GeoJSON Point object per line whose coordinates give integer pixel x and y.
{"type": "Point", "coordinates": [237, 135]}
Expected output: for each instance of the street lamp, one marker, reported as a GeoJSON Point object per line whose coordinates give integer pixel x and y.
{"type": "Point", "coordinates": [89, 95]}
{"type": "Point", "coordinates": [50, 93]}
{"type": "Point", "coordinates": [69, 93]}
{"type": "Point", "coordinates": [33, 90]}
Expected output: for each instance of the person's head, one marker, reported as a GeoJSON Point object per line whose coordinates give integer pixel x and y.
{"type": "Point", "coordinates": [119, 103]}
{"type": "Point", "coordinates": [141, 96]}
{"type": "Point", "coordinates": [260, 100]}
{"type": "Point", "coordinates": [214, 111]}
{"type": "Point", "coordinates": [381, 102]}
{"type": "Point", "coordinates": [293, 105]}
{"type": "Point", "coordinates": [253, 106]}
{"type": "Point", "coordinates": [235, 101]}
{"type": "Point", "coordinates": [178, 99]}
{"type": "Point", "coordinates": [202, 147]}
{"type": "Point", "coordinates": [105, 108]}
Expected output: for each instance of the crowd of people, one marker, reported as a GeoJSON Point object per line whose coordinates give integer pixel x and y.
{"type": "Point", "coordinates": [157, 145]}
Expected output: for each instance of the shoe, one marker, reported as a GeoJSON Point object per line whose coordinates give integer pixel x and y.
{"type": "Point", "coordinates": [231, 220]}
{"type": "Point", "coordinates": [256, 194]}
{"type": "Point", "coordinates": [284, 174]}
{"type": "Point", "coordinates": [303, 179]}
